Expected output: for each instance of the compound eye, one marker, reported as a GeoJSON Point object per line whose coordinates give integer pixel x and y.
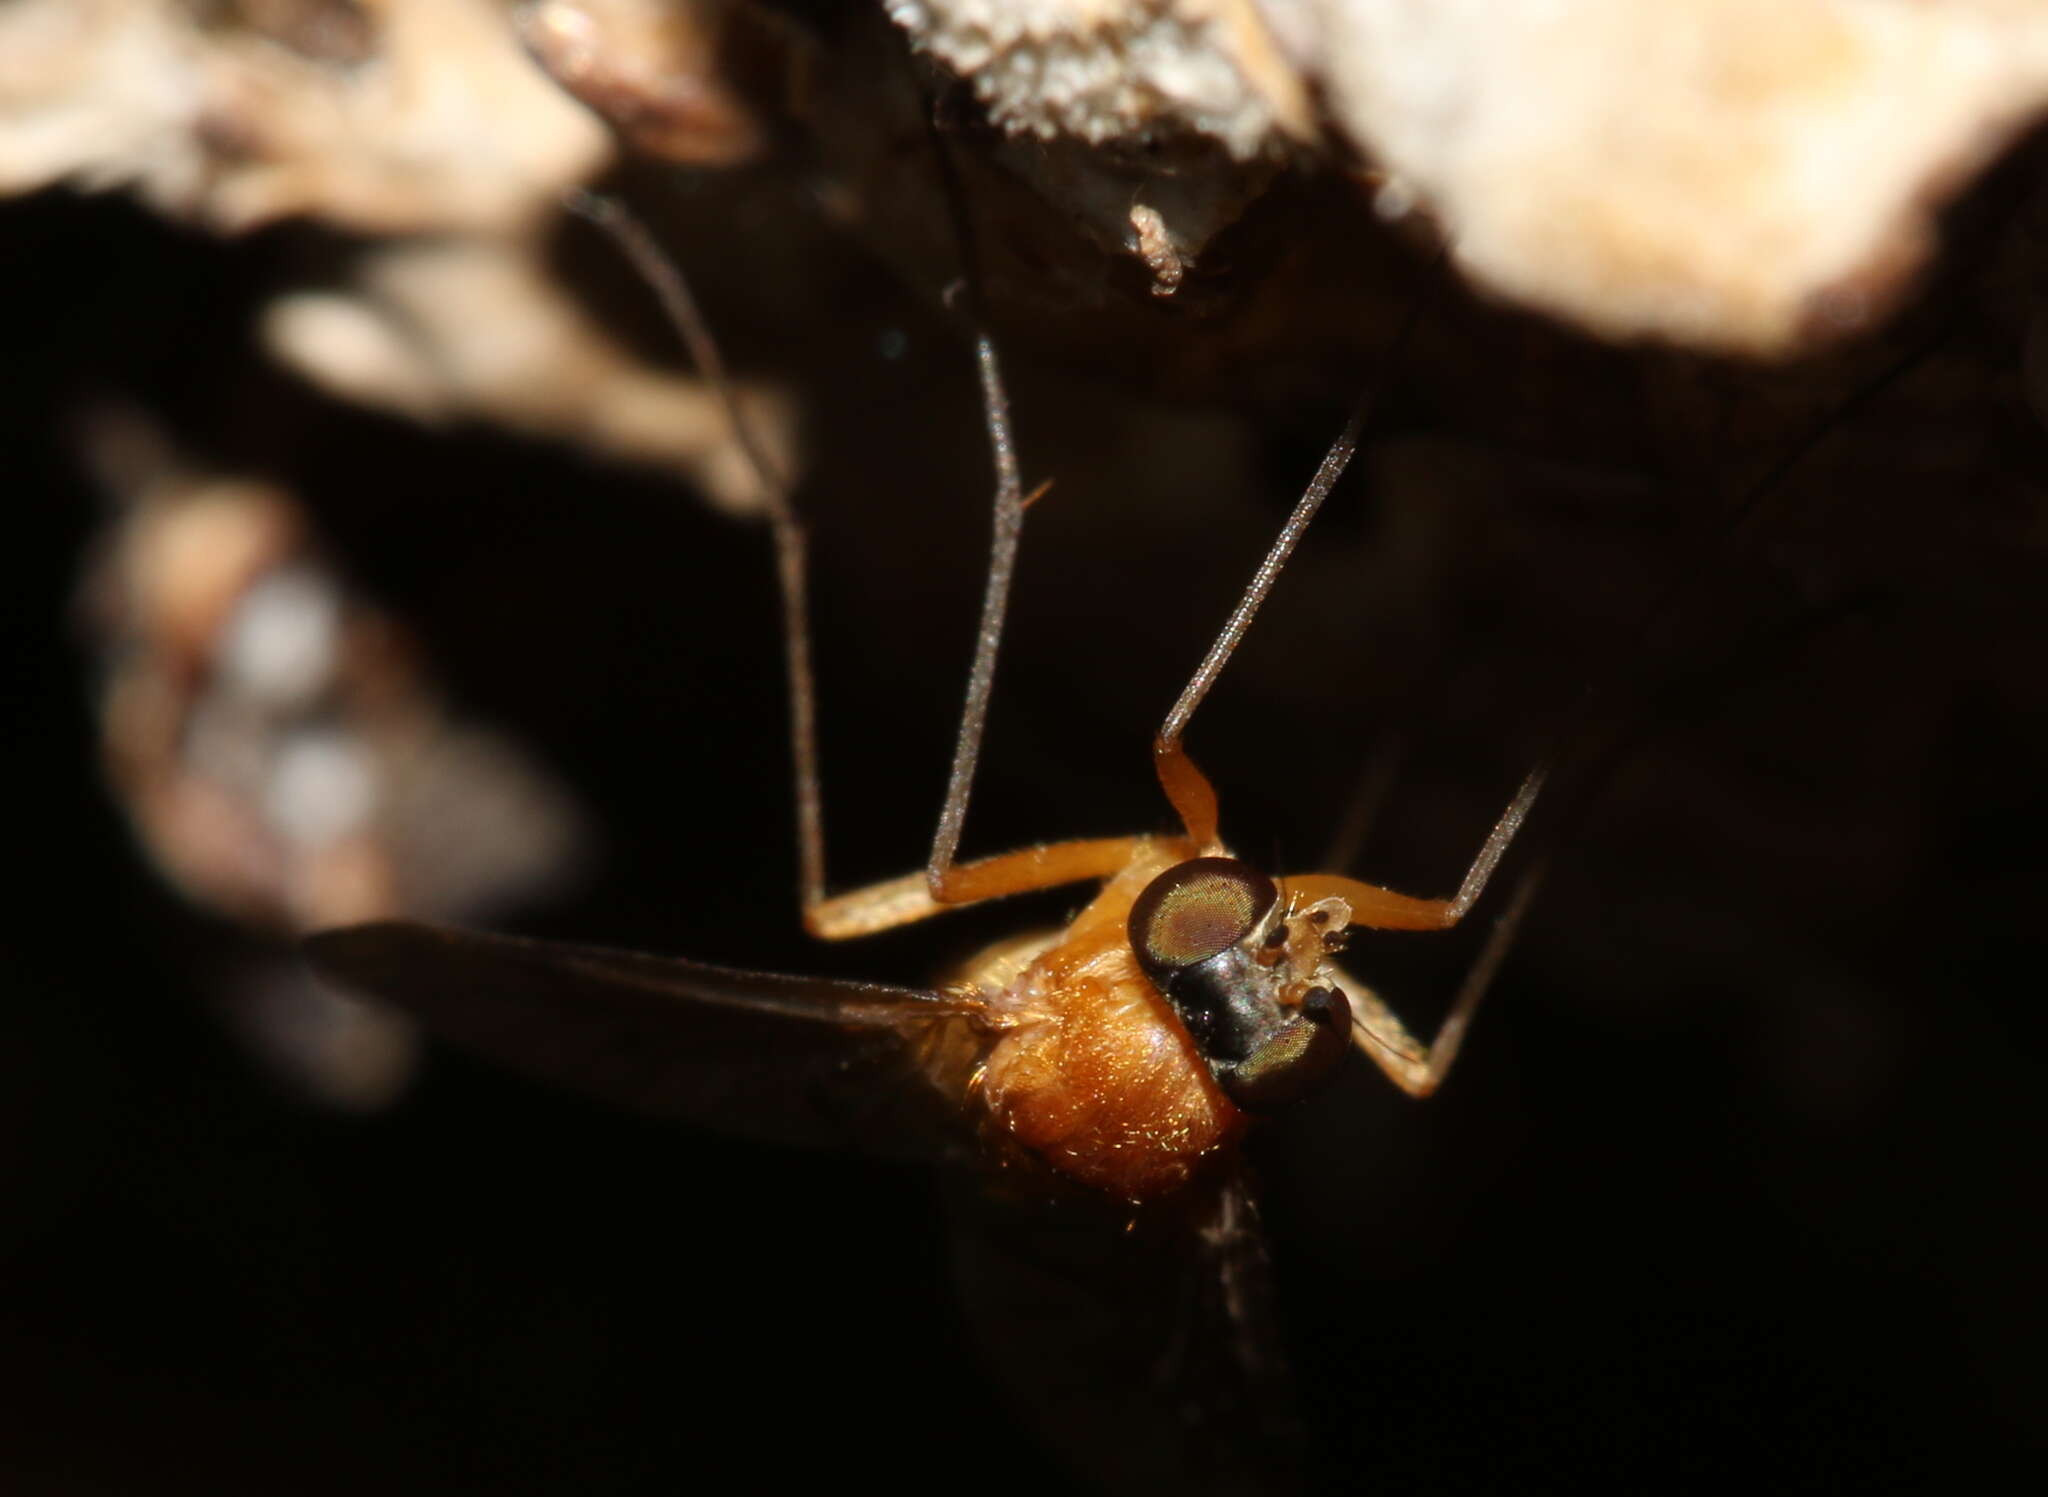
{"type": "Point", "coordinates": [1195, 910]}
{"type": "Point", "coordinates": [1295, 1057]}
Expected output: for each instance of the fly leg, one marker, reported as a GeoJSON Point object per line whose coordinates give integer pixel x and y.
{"type": "Point", "coordinates": [943, 884]}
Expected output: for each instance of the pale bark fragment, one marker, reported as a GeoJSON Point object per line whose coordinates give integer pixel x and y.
{"type": "Point", "coordinates": [1732, 174]}
{"type": "Point", "coordinates": [445, 123]}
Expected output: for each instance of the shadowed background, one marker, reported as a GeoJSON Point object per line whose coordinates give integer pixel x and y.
{"type": "Point", "coordinates": [1739, 1175]}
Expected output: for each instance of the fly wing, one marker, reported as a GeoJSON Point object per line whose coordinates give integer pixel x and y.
{"type": "Point", "coordinates": [1143, 1349]}
{"type": "Point", "coordinates": [803, 1060]}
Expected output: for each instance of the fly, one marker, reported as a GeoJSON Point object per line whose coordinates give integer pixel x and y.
{"type": "Point", "coordinates": [1111, 1066]}
{"type": "Point", "coordinates": [1121, 1053]}
{"type": "Point", "coordinates": [1116, 1062]}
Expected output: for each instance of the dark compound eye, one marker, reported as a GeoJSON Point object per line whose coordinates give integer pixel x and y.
{"type": "Point", "coordinates": [1295, 1057]}
{"type": "Point", "coordinates": [1193, 911]}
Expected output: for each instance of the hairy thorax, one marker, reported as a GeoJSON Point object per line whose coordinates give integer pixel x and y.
{"type": "Point", "coordinates": [1089, 1070]}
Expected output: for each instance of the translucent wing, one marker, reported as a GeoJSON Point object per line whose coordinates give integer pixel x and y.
{"type": "Point", "coordinates": [802, 1060]}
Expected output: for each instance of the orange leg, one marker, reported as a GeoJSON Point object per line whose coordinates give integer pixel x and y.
{"type": "Point", "coordinates": [945, 884]}
{"type": "Point", "coordinates": [1382, 909]}
{"type": "Point", "coordinates": [1186, 787]}
{"type": "Point", "coordinates": [1416, 1068]}
{"type": "Point", "coordinates": [1386, 910]}
{"type": "Point", "coordinates": [1189, 792]}
{"type": "Point", "coordinates": [942, 885]}
{"type": "Point", "coordinates": [913, 897]}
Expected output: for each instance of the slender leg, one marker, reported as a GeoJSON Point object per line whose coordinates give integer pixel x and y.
{"type": "Point", "coordinates": [945, 883]}
{"type": "Point", "coordinates": [905, 900]}
{"type": "Point", "coordinates": [940, 875]}
{"type": "Point", "coordinates": [665, 278]}
{"type": "Point", "coordinates": [1384, 909]}
{"type": "Point", "coordinates": [1186, 787]}
{"type": "Point", "coordinates": [1419, 1069]}
{"type": "Point", "coordinates": [1416, 1068]}
{"type": "Point", "coordinates": [916, 897]}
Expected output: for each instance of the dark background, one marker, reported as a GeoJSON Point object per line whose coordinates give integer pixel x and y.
{"type": "Point", "coordinates": [1739, 1178]}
